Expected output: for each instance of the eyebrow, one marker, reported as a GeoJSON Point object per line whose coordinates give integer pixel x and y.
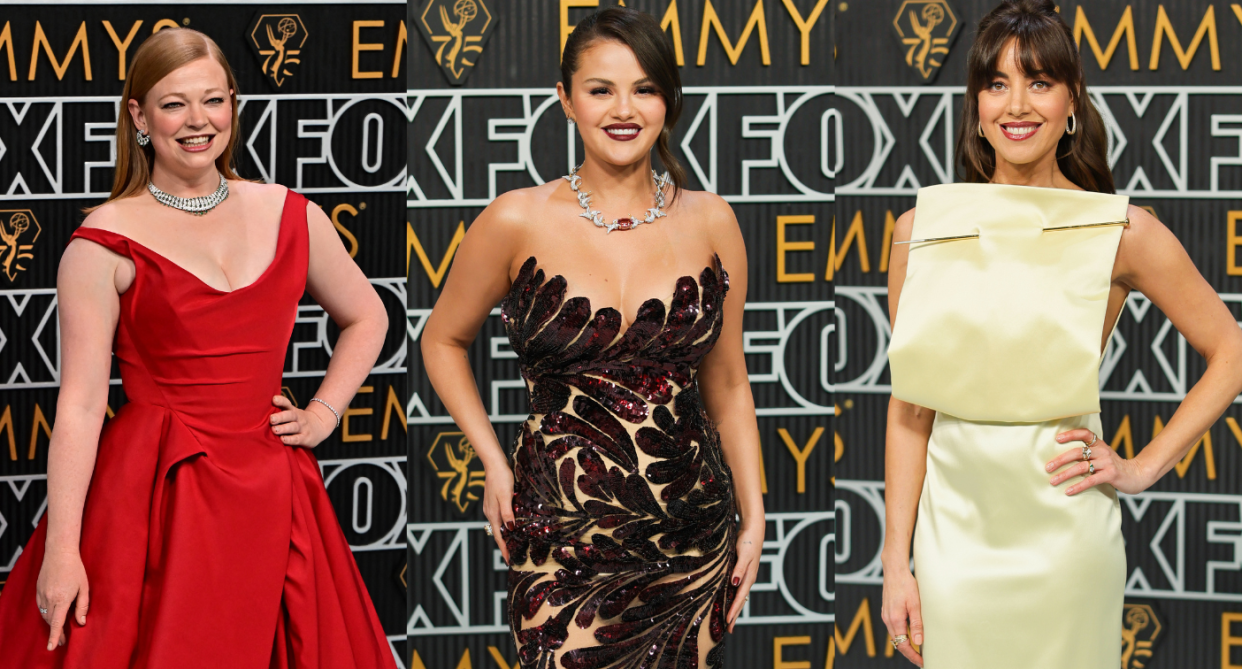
{"type": "Point", "coordinates": [997, 74]}
{"type": "Point", "coordinates": [209, 91]}
{"type": "Point", "coordinates": [644, 80]}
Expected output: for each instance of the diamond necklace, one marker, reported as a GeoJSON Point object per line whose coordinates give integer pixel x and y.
{"type": "Point", "coordinates": [194, 205]}
{"type": "Point", "coordinates": [627, 223]}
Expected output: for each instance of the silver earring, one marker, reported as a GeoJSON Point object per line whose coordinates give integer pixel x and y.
{"type": "Point", "coordinates": [143, 138]}
{"type": "Point", "coordinates": [1068, 130]}
{"type": "Point", "coordinates": [568, 120]}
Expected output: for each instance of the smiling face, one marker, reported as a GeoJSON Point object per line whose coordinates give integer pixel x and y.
{"type": "Point", "coordinates": [618, 110]}
{"type": "Point", "coordinates": [189, 116]}
{"type": "Point", "coordinates": [1023, 116]}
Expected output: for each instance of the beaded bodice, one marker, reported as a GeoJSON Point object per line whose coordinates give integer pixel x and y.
{"type": "Point", "coordinates": [624, 506]}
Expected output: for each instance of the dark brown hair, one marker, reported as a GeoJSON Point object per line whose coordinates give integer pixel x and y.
{"type": "Point", "coordinates": [651, 46]}
{"type": "Point", "coordinates": [163, 52]}
{"type": "Point", "coordinates": [1044, 44]}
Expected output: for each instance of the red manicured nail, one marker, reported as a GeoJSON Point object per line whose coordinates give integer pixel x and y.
{"type": "Point", "coordinates": [737, 580]}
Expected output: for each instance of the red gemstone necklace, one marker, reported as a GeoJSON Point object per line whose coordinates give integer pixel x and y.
{"type": "Point", "coordinates": [627, 223]}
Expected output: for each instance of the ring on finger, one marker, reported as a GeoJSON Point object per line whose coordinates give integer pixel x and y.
{"type": "Point", "coordinates": [1094, 439]}
{"type": "Point", "coordinates": [1090, 468]}
{"type": "Point", "coordinates": [488, 528]}
{"type": "Point", "coordinates": [1086, 453]}
{"type": "Point", "coordinates": [42, 611]}
{"type": "Point", "coordinates": [899, 639]}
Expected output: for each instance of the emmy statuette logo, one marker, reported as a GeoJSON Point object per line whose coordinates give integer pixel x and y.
{"type": "Point", "coordinates": [455, 31]}
{"type": "Point", "coordinates": [458, 466]}
{"type": "Point", "coordinates": [277, 40]}
{"type": "Point", "coordinates": [18, 233]}
{"type": "Point", "coordinates": [925, 29]}
{"type": "Point", "coordinates": [1138, 635]}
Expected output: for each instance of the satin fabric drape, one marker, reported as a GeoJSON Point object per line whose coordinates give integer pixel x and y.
{"type": "Point", "coordinates": [1001, 335]}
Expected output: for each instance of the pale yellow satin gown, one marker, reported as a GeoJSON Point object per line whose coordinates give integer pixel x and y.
{"type": "Point", "coordinates": [1000, 335]}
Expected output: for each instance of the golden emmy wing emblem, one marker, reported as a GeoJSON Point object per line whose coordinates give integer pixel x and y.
{"type": "Point", "coordinates": [288, 393]}
{"type": "Point", "coordinates": [1138, 635]}
{"type": "Point", "coordinates": [925, 29]}
{"type": "Point", "coordinates": [458, 467]}
{"type": "Point", "coordinates": [455, 30]}
{"type": "Point", "coordinates": [277, 40]}
{"type": "Point", "coordinates": [18, 232]}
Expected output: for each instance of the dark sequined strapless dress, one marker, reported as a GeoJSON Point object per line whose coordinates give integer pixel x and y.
{"type": "Point", "coordinates": [625, 533]}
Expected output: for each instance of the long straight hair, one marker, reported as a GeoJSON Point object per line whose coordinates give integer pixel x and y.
{"type": "Point", "coordinates": [162, 53]}
{"type": "Point", "coordinates": [651, 46]}
{"type": "Point", "coordinates": [1043, 42]}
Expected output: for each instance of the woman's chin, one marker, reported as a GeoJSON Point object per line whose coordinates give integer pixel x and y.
{"type": "Point", "coordinates": [621, 158]}
{"type": "Point", "coordinates": [1025, 157]}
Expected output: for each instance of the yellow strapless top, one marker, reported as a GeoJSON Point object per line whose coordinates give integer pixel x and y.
{"type": "Point", "coordinates": [1006, 326]}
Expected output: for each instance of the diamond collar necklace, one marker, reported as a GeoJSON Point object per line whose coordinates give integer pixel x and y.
{"type": "Point", "coordinates": [194, 205]}
{"type": "Point", "coordinates": [627, 223]}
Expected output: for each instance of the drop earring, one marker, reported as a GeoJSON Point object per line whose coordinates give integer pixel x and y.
{"type": "Point", "coordinates": [143, 138]}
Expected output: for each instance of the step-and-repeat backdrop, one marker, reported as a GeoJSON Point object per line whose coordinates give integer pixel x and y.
{"type": "Point", "coordinates": [322, 112]}
{"type": "Point", "coordinates": [1167, 79]}
{"type": "Point", "coordinates": [485, 119]}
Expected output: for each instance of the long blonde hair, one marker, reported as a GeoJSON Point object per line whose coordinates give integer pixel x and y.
{"type": "Point", "coordinates": [162, 53]}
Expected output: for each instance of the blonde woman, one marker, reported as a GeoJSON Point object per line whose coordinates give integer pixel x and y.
{"type": "Point", "coordinates": [193, 530]}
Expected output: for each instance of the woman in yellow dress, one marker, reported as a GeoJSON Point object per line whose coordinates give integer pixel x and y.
{"type": "Point", "coordinates": [1010, 284]}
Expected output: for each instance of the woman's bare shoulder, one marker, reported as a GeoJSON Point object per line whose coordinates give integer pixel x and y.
{"type": "Point", "coordinates": [903, 226]}
{"type": "Point", "coordinates": [1143, 240]}
{"type": "Point", "coordinates": [257, 194]}
{"type": "Point", "coordinates": [518, 208]}
{"type": "Point", "coordinates": [112, 215]}
{"type": "Point", "coordinates": [712, 211]}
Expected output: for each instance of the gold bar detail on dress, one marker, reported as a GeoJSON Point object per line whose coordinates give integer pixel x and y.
{"type": "Point", "coordinates": [1125, 223]}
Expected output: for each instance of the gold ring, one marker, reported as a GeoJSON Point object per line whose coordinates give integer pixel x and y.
{"type": "Point", "coordinates": [899, 639]}
{"type": "Point", "coordinates": [488, 528]}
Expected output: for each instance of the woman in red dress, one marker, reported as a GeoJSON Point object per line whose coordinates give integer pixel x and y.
{"type": "Point", "coordinates": [194, 529]}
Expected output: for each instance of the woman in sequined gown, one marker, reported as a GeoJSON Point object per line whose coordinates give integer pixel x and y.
{"type": "Point", "coordinates": [617, 510]}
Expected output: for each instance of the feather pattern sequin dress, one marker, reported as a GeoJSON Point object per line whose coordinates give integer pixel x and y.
{"type": "Point", "coordinates": [625, 519]}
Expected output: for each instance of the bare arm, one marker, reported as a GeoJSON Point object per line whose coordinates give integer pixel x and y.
{"type": "Point", "coordinates": [477, 281]}
{"type": "Point", "coordinates": [725, 387]}
{"type": "Point", "coordinates": [906, 433]}
{"type": "Point", "coordinates": [905, 464]}
{"type": "Point", "coordinates": [1152, 261]}
{"type": "Point", "coordinates": [339, 286]}
{"type": "Point", "coordinates": [88, 306]}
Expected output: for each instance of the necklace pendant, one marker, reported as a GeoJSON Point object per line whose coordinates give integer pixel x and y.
{"type": "Point", "coordinates": [627, 223]}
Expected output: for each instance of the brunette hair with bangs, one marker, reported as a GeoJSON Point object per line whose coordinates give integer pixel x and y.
{"type": "Point", "coordinates": [1044, 45]}
{"type": "Point", "coordinates": [651, 46]}
{"type": "Point", "coordinates": [163, 52]}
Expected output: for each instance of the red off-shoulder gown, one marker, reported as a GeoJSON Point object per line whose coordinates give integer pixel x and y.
{"type": "Point", "coordinates": [207, 541]}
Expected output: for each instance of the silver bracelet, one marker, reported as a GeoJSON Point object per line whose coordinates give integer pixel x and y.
{"type": "Point", "coordinates": [334, 413]}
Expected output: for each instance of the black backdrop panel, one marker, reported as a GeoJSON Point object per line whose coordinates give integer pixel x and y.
{"type": "Point", "coordinates": [330, 129]}
{"type": "Point", "coordinates": [755, 135]}
{"type": "Point", "coordinates": [1174, 147]}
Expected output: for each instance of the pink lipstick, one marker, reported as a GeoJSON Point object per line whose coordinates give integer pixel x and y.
{"type": "Point", "coordinates": [1020, 130]}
